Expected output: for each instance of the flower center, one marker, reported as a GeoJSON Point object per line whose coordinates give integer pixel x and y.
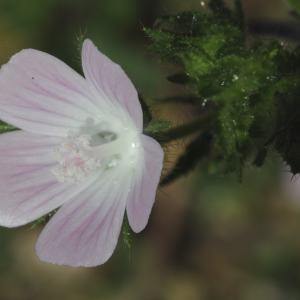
{"type": "Point", "coordinates": [94, 149]}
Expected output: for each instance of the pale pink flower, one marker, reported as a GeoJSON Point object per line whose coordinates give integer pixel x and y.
{"type": "Point", "coordinates": [81, 148]}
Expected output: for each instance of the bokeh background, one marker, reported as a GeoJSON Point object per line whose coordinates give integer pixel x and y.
{"type": "Point", "coordinates": [209, 236]}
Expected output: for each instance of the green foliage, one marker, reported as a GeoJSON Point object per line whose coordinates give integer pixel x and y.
{"type": "Point", "coordinates": [242, 85]}
{"type": "Point", "coordinates": [295, 4]}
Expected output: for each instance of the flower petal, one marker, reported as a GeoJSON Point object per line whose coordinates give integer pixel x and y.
{"type": "Point", "coordinates": [41, 94]}
{"type": "Point", "coordinates": [143, 191]}
{"type": "Point", "coordinates": [111, 81]}
{"type": "Point", "coordinates": [28, 190]}
{"type": "Point", "coordinates": [85, 231]}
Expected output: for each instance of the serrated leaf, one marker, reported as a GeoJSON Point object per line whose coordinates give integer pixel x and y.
{"type": "Point", "coordinates": [241, 82]}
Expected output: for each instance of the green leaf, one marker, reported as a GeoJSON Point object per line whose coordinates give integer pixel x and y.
{"type": "Point", "coordinates": [237, 84]}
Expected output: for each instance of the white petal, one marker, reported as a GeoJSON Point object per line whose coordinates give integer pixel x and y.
{"type": "Point", "coordinates": [85, 231]}
{"type": "Point", "coordinates": [28, 190]}
{"type": "Point", "coordinates": [143, 191]}
{"type": "Point", "coordinates": [111, 81]}
{"type": "Point", "coordinates": [41, 94]}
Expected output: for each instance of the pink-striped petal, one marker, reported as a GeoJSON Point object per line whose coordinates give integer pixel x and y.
{"type": "Point", "coordinates": [41, 94]}
{"type": "Point", "coordinates": [111, 81]}
{"type": "Point", "coordinates": [28, 190]}
{"type": "Point", "coordinates": [143, 191]}
{"type": "Point", "coordinates": [85, 231]}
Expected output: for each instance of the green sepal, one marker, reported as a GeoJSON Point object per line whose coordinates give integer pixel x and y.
{"type": "Point", "coordinates": [4, 127]}
{"type": "Point", "coordinates": [127, 233]}
{"type": "Point", "coordinates": [43, 220]}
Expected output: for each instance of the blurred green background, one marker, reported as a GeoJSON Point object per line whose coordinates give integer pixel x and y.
{"type": "Point", "coordinates": [209, 237]}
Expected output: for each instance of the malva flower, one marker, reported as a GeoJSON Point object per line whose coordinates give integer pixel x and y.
{"type": "Point", "coordinates": [80, 149]}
